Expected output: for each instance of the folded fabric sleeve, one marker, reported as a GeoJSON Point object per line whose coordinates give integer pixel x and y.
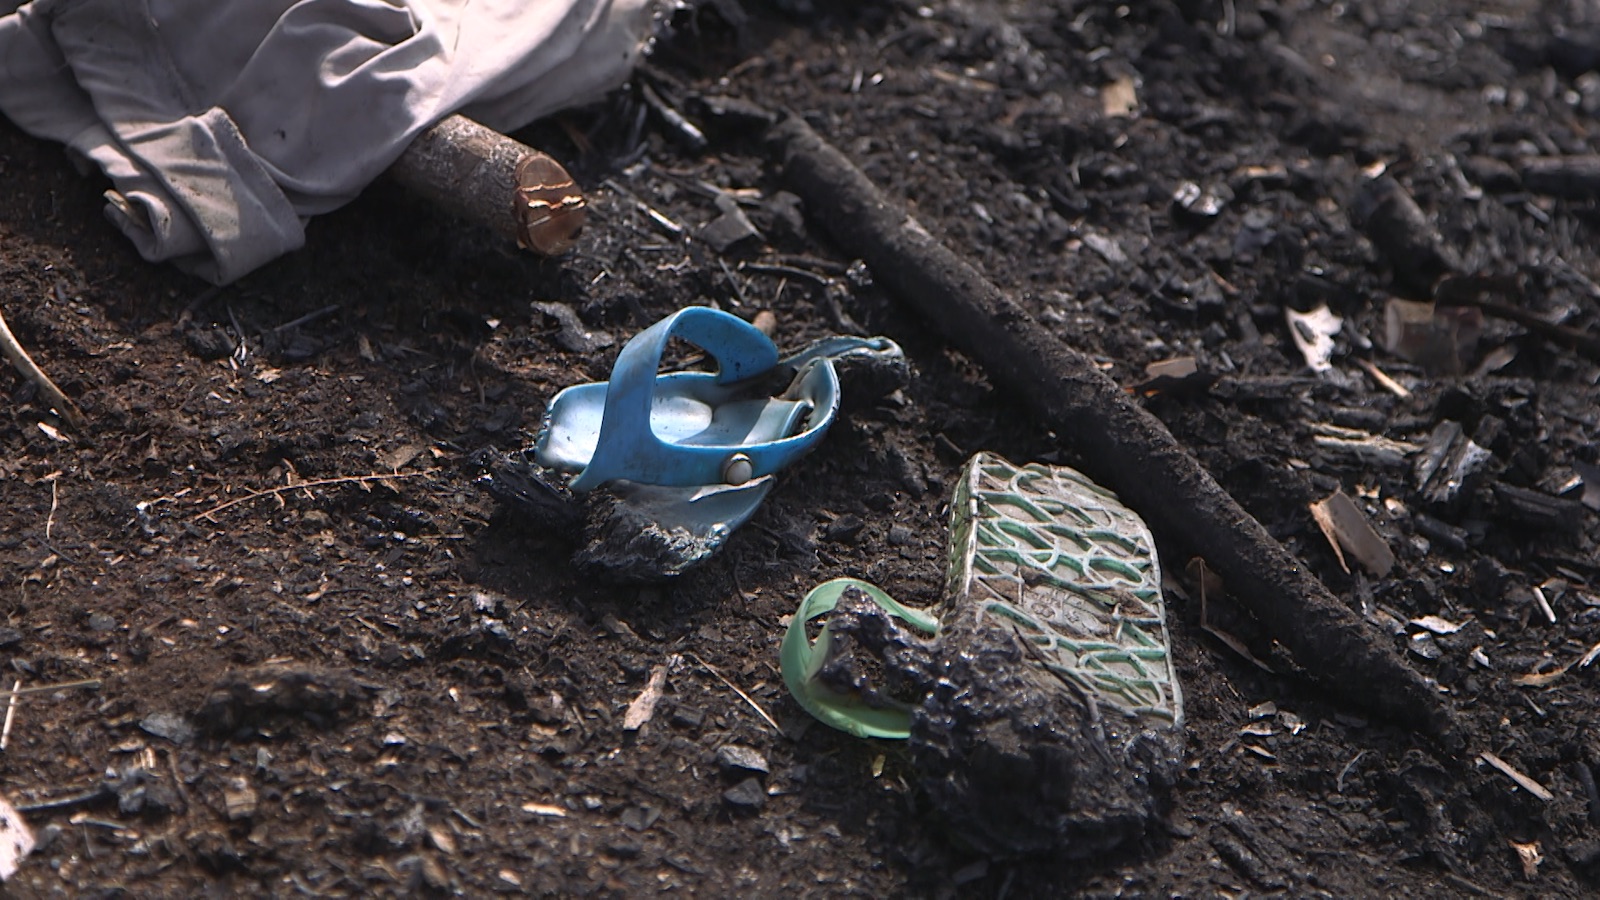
{"type": "Point", "coordinates": [223, 124]}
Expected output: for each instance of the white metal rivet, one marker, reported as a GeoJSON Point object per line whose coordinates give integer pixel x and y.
{"type": "Point", "coordinates": [738, 469]}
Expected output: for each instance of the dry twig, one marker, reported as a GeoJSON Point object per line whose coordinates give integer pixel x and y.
{"type": "Point", "coordinates": [31, 371]}
{"type": "Point", "coordinates": [283, 489]}
{"type": "Point", "coordinates": [11, 712]}
{"type": "Point", "coordinates": [735, 688]}
{"type": "Point", "coordinates": [55, 502]}
{"type": "Point", "coordinates": [50, 688]}
{"type": "Point", "coordinates": [1523, 781]}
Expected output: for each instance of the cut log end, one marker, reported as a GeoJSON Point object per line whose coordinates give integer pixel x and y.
{"type": "Point", "coordinates": [480, 175]}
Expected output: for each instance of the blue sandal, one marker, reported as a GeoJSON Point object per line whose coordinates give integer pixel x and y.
{"type": "Point", "coordinates": [689, 429]}
{"type": "Point", "coordinates": [693, 454]}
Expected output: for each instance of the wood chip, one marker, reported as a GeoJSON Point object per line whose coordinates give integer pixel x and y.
{"type": "Point", "coordinates": [1343, 523]}
{"type": "Point", "coordinates": [1236, 646]}
{"type": "Point", "coordinates": [1313, 334]}
{"type": "Point", "coordinates": [1179, 367]}
{"type": "Point", "coordinates": [1540, 679]}
{"type": "Point", "coordinates": [1206, 583]}
{"type": "Point", "coordinates": [1441, 339]}
{"type": "Point", "coordinates": [544, 809]}
{"type": "Point", "coordinates": [1526, 783]}
{"type": "Point", "coordinates": [643, 706]}
{"type": "Point", "coordinates": [1530, 857]}
{"type": "Point", "coordinates": [1120, 98]}
{"type": "Point", "coordinates": [239, 799]}
{"type": "Point", "coordinates": [442, 840]}
{"type": "Point", "coordinates": [1495, 360]}
{"type": "Point", "coordinates": [1437, 625]}
{"type": "Point", "coordinates": [1366, 450]}
{"type": "Point", "coordinates": [1594, 652]}
{"type": "Point", "coordinates": [16, 840]}
{"type": "Point", "coordinates": [394, 459]}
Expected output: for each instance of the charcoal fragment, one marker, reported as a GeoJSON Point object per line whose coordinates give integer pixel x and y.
{"type": "Point", "coordinates": [747, 795]}
{"type": "Point", "coordinates": [1539, 510]}
{"type": "Point", "coordinates": [572, 335]}
{"type": "Point", "coordinates": [1399, 230]}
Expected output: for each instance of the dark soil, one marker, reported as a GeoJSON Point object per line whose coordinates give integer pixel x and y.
{"type": "Point", "coordinates": [393, 685]}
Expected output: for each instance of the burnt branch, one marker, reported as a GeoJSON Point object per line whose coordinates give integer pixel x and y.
{"type": "Point", "coordinates": [1120, 444]}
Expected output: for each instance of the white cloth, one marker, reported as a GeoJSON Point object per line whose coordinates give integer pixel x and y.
{"type": "Point", "coordinates": [222, 124]}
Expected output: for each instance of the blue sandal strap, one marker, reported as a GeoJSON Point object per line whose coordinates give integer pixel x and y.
{"type": "Point", "coordinates": [629, 448]}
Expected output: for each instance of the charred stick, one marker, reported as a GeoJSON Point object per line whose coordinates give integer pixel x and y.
{"type": "Point", "coordinates": [1120, 444]}
{"type": "Point", "coordinates": [96, 795]}
{"type": "Point", "coordinates": [1470, 291]}
{"type": "Point", "coordinates": [307, 319]}
{"type": "Point", "coordinates": [1572, 177]}
{"type": "Point", "coordinates": [1560, 335]}
{"type": "Point", "coordinates": [1590, 791]}
{"type": "Point", "coordinates": [687, 131]}
{"type": "Point", "coordinates": [1394, 223]}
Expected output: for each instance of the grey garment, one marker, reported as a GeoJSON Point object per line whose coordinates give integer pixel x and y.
{"type": "Point", "coordinates": [223, 124]}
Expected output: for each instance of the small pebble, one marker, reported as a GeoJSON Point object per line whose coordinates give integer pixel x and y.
{"type": "Point", "coordinates": [736, 758]}
{"type": "Point", "coordinates": [747, 794]}
{"type": "Point", "coordinates": [46, 837]}
{"type": "Point", "coordinates": [171, 726]}
{"type": "Point", "coordinates": [843, 530]}
{"type": "Point", "coordinates": [640, 818]}
{"type": "Point", "coordinates": [240, 799]}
